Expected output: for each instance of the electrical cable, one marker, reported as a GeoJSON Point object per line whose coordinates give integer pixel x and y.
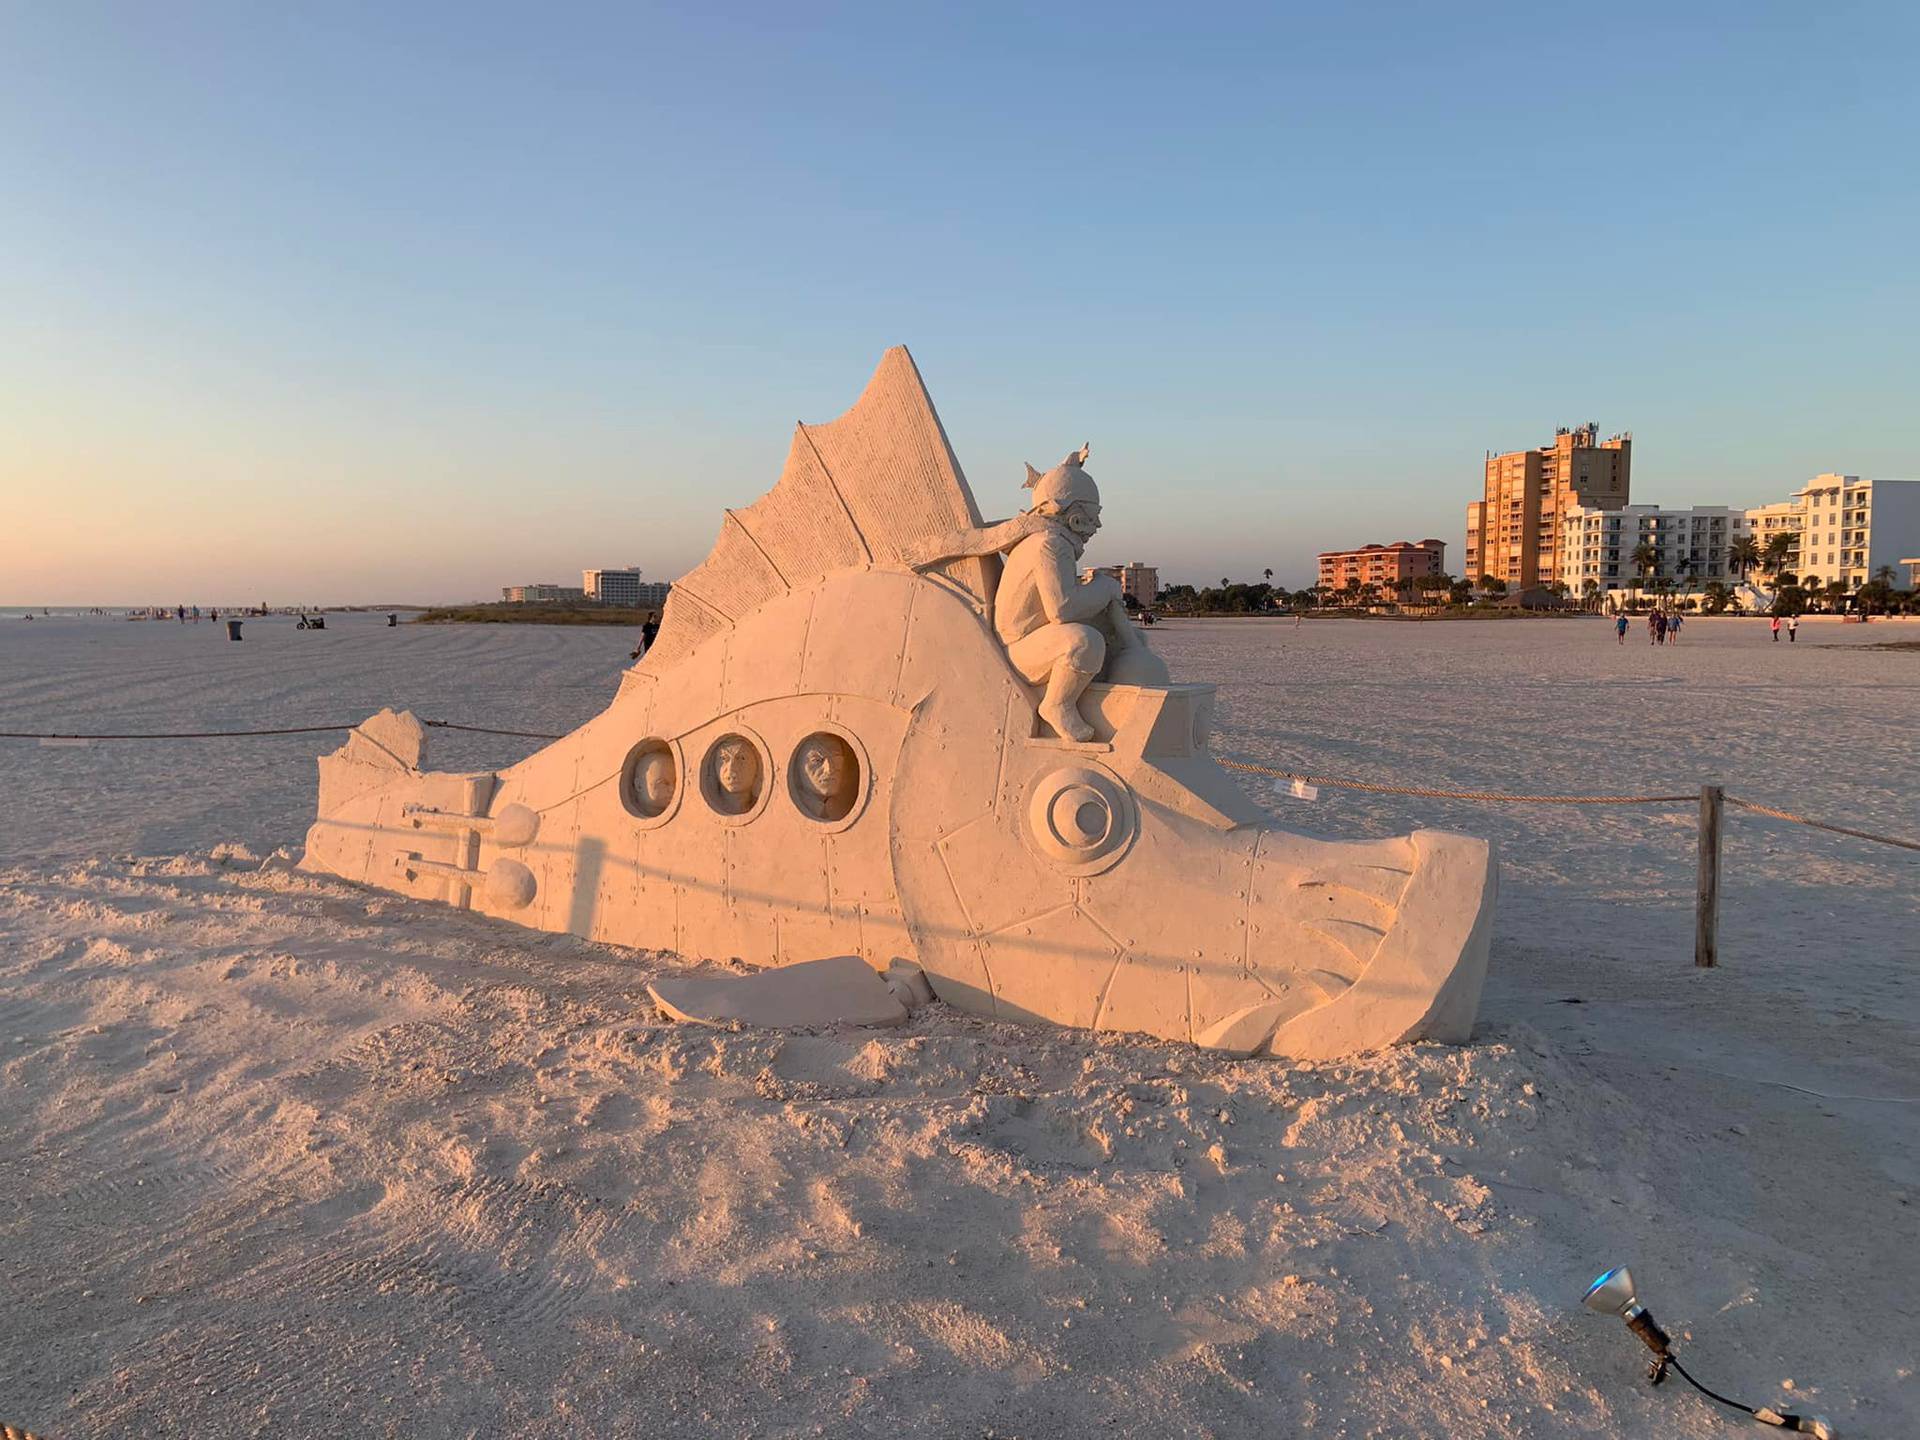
{"type": "Point", "coordinates": [1710, 1394]}
{"type": "Point", "coordinates": [1802, 1424]}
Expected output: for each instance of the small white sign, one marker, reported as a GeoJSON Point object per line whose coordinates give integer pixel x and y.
{"type": "Point", "coordinates": [1298, 789]}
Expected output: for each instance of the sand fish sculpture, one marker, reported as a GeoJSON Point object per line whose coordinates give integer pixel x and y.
{"type": "Point", "coordinates": [873, 724]}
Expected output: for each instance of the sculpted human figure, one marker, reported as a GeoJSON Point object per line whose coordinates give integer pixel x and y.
{"type": "Point", "coordinates": [654, 781]}
{"type": "Point", "coordinates": [1061, 632]}
{"type": "Point", "coordinates": [825, 778]}
{"type": "Point", "coordinates": [736, 775]}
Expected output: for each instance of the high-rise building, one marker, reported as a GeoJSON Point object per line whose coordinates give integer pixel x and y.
{"type": "Point", "coordinates": [1847, 528]}
{"type": "Point", "coordinates": [1382, 565]}
{"type": "Point", "coordinates": [1513, 529]}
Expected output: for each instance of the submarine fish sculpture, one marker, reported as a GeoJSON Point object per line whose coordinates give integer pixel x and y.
{"type": "Point", "coordinates": [874, 725]}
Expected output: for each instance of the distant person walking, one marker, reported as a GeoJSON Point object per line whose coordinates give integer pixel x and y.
{"type": "Point", "coordinates": [1620, 630]}
{"type": "Point", "coordinates": [1673, 627]}
{"type": "Point", "coordinates": [1793, 629]}
{"type": "Point", "coordinates": [649, 628]}
{"type": "Point", "coordinates": [1775, 627]}
{"type": "Point", "coordinates": [1653, 619]}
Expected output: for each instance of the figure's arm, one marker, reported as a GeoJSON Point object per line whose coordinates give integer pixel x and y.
{"type": "Point", "coordinates": [991, 539]}
{"type": "Point", "coordinates": [1064, 596]}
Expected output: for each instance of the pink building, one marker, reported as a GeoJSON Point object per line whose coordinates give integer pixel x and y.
{"type": "Point", "coordinates": [1382, 565]}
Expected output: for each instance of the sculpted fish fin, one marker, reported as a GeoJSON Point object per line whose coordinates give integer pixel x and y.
{"type": "Point", "coordinates": [871, 489]}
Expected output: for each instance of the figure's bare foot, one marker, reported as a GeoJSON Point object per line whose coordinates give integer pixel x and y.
{"type": "Point", "coordinates": [1066, 720]}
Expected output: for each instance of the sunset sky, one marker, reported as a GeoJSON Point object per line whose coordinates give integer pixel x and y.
{"type": "Point", "coordinates": [407, 302]}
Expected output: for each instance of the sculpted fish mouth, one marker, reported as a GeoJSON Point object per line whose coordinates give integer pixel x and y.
{"type": "Point", "coordinates": [875, 725]}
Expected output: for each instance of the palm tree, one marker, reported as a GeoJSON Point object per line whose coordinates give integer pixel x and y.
{"type": "Point", "coordinates": [1492, 586]}
{"type": "Point", "coordinates": [1779, 546]}
{"type": "Point", "coordinates": [1223, 582]}
{"type": "Point", "coordinates": [1885, 576]}
{"type": "Point", "coordinates": [1717, 596]}
{"type": "Point", "coordinates": [1744, 554]}
{"type": "Point", "coordinates": [1590, 592]}
{"type": "Point", "coordinates": [1269, 574]}
{"type": "Point", "coordinates": [1646, 559]}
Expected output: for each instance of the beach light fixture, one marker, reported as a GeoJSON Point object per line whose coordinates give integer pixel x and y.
{"type": "Point", "coordinates": [1614, 1293]}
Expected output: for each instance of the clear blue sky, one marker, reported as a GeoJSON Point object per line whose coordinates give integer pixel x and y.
{"type": "Point", "coordinates": [410, 301]}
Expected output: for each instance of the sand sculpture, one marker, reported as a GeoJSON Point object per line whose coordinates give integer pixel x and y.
{"type": "Point", "coordinates": [874, 725]}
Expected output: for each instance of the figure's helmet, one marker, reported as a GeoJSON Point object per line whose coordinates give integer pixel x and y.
{"type": "Point", "coordinates": [1064, 486]}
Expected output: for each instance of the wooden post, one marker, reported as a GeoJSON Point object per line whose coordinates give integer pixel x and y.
{"type": "Point", "coordinates": [1706, 915]}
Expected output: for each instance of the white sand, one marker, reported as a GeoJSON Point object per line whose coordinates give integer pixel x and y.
{"type": "Point", "coordinates": [291, 1158]}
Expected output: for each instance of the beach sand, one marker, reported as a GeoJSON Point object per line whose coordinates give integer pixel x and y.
{"type": "Point", "coordinates": [298, 1159]}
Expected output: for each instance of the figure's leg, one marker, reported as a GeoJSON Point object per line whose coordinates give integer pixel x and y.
{"type": "Point", "coordinates": [1065, 659]}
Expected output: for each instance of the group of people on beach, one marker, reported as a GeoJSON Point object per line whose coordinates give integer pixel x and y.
{"type": "Point", "coordinates": [1662, 627]}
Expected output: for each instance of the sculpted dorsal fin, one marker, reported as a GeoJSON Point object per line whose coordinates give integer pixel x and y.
{"type": "Point", "coordinates": [856, 492]}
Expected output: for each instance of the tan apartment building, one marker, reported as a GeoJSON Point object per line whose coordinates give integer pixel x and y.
{"type": "Point", "coordinates": [1382, 565]}
{"type": "Point", "coordinates": [1140, 583]}
{"type": "Point", "coordinates": [1513, 529]}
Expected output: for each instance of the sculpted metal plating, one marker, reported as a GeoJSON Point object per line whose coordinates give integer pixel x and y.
{"type": "Point", "coordinates": [861, 732]}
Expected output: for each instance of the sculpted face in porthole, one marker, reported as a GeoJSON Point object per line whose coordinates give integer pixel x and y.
{"type": "Point", "coordinates": [736, 775]}
{"type": "Point", "coordinates": [827, 777]}
{"type": "Point", "coordinates": [654, 781]}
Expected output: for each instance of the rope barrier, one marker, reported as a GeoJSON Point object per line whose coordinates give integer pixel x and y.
{"type": "Point", "coordinates": [168, 734]}
{"type": "Point", "coordinates": [483, 730]}
{"type": "Point", "coordinates": [1374, 788]}
{"type": "Point", "coordinates": [1336, 782]}
{"type": "Point", "coordinates": [241, 734]}
{"type": "Point", "coordinates": [1791, 818]}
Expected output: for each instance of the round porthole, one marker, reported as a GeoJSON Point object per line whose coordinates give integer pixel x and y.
{"type": "Point", "coordinates": [735, 777]}
{"type": "Point", "coordinates": [650, 780]}
{"type": "Point", "coordinates": [1079, 818]}
{"type": "Point", "coordinates": [828, 778]}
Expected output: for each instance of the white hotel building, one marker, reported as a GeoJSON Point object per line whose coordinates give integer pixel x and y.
{"type": "Point", "coordinates": [1840, 527]}
{"type": "Point", "coordinates": [1693, 545]}
{"type": "Point", "coordinates": [1849, 527]}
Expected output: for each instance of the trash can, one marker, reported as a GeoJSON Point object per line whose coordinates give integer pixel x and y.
{"type": "Point", "coordinates": [233, 629]}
